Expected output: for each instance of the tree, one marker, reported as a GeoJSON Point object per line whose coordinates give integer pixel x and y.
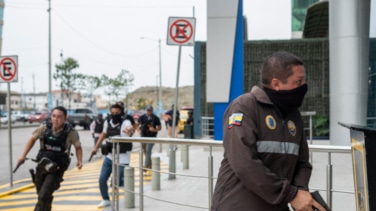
{"type": "Point", "coordinates": [69, 81]}
{"type": "Point", "coordinates": [115, 86]}
{"type": "Point", "coordinates": [91, 83]}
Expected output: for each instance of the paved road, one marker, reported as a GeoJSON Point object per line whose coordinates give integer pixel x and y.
{"type": "Point", "coordinates": [19, 138]}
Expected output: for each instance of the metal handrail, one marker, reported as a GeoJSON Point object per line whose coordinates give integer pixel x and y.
{"type": "Point", "coordinates": [313, 148]}
{"type": "Point", "coordinates": [205, 126]}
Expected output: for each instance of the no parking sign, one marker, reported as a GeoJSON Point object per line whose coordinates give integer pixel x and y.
{"type": "Point", "coordinates": [181, 31]}
{"type": "Point", "coordinates": [9, 69]}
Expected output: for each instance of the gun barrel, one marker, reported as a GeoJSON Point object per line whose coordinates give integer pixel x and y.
{"type": "Point", "coordinates": [91, 156]}
{"type": "Point", "coordinates": [18, 165]}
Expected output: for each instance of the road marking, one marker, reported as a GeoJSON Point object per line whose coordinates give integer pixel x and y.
{"type": "Point", "coordinates": [78, 191]}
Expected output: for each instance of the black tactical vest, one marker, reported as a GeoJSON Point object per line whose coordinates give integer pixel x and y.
{"type": "Point", "coordinates": [115, 131]}
{"type": "Point", "coordinates": [98, 126]}
{"type": "Point", "coordinates": [54, 146]}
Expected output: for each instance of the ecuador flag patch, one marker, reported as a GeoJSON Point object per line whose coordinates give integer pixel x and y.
{"type": "Point", "coordinates": [235, 119]}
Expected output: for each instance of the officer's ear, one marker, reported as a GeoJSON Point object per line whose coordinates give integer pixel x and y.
{"type": "Point", "coordinates": [275, 84]}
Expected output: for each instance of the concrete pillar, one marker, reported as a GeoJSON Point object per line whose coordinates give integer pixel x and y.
{"type": "Point", "coordinates": [349, 60]}
{"type": "Point", "coordinates": [185, 156]}
{"type": "Point", "coordinates": [129, 199]}
{"type": "Point", "coordinates": [156, 175]}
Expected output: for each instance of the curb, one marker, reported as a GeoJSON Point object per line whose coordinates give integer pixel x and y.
{"type": "Point", "coordinates": [16, 190]}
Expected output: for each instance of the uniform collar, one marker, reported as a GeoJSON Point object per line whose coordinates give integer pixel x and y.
{"type": "Point", "coordinates": [260, 95]}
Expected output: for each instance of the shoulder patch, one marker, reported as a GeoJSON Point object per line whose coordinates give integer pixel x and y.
{"type": "Point", "coordinates": [235, 119]}
{"type": "Point", "coordinates": [270, 122]}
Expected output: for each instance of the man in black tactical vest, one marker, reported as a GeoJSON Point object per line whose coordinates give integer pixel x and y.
{"type": "Point", "coordinates": [114, 126]}
{"type": "Point", "coordinates": [56, 137]}
{"type": "Point", "coordinates": [96, 127]}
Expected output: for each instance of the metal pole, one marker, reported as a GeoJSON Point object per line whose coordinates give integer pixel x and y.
{"type": "Point", "coordinates": [10, 138]}
{"type": "Point", "coordinates": [141, 178]}
{"type": "Point", "coordinates": [172, 163]}
{"type": "Point", "coordinates": [160, 102]}
{"type": "Point", "coordinates": [49, 57]}
{"type": "Point", "coordinates": [160, 105]}
{"type": "Point", "coordinates": [329, 184]}
{"type": "Point", "coordinates": [210, 175]}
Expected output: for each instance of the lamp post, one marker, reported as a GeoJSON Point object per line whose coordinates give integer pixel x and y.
{"type": "Point", "coordinates": [160, 103]}
{"type": "Point", "coordinates": [49, 100]}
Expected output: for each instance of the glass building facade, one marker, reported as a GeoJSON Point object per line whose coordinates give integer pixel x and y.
{"type": "Point", "coordinates": [299, 10]}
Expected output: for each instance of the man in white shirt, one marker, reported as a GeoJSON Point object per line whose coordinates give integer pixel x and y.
{"type": "Point", "coordinates": [114, 126]}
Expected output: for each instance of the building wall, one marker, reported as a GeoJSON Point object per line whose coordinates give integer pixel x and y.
{"type": "Point", "coordinates": [315, 53]}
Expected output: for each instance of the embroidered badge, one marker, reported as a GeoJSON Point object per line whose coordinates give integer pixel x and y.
{"type": "Point", "coordinates": [235, 119]}
{"type": "Point", "coordinates": [270, 122]}
{"type": "Point", "coordinates": [292, 127]}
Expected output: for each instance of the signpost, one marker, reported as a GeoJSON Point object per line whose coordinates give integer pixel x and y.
{"type": "Point", "coordinates": [8, 74]}
{"type": "Point", "coordinates": [181, 31]}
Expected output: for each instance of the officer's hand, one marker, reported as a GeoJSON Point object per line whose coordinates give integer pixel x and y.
{"type": "Point", "coordinates": [79, 164]}
{"type": "Point", "coordinates": [304, 201]}
{"type": "Point", "coordinates": [94, 151]}
{"type": "Point", "coordinates": [21, 160]}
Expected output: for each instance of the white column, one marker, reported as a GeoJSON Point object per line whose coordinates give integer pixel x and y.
{"type": "Point", "coordinates": [349, 61]}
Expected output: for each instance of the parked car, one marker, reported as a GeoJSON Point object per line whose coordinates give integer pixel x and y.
{"type": "Point", "coordinates": [21, 115]}
{"type": "Point", "coordinates": [4, 119]}
{"type": "Point", "coordinates": [39, 116]}
{"type": "Point", "coordinates": [82, 117]}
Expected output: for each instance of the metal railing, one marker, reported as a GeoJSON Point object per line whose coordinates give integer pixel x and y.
{"type": "Point", "coordinates": [329, 149]}
{"type": "Point", "coordinates": [310, 127]}
{"type": "Point", "coordinates": [207, 126]}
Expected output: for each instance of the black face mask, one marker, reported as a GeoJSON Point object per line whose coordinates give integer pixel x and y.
{"type": "Point", "coordinates": [287, 100]}
{"type": "Point", "coordinates": [116, 118]}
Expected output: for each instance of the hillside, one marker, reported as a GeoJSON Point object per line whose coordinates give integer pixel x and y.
{"type": "Point", "coordinates": [149, 95]}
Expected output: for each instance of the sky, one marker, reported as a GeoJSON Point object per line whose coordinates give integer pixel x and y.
{"type": "Point", "coordinates": [105, 37]}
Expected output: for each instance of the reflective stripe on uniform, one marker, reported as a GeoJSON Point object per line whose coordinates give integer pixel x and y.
{"type": "Point", "coordinates": [278, 147]}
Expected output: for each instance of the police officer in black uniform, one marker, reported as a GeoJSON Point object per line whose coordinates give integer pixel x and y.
{"type": "Point", "coordinates": [56, 137]}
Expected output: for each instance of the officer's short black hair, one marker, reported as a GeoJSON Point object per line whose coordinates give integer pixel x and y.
{"type": "Point", "coordinates": [278, 65]}
{"type": "Point", "coordinates": [62, 109]}
{"type": "Point", "coordinates": [116, 106]}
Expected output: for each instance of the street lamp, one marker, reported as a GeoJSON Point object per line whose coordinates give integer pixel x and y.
{"type": "Point", "coordinates": [160, 103]}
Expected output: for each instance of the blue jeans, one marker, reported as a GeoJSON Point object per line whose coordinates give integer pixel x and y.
{"type": "Point", "coordinates": [105, 174]}
{"type": "Point", "coordinates": [147, 151]}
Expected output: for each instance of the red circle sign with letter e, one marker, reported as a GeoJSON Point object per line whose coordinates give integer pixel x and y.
{"type": "Point", "coordinates": [181, 31]}
{"type": "Point", "coordinates": [8, 69]}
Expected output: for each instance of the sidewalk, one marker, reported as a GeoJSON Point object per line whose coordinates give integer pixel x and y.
{"type": "Point", "coordinates": [192, 192]}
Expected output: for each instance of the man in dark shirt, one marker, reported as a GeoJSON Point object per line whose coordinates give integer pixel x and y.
{"type": "Point", "coordinates": [150, 124]}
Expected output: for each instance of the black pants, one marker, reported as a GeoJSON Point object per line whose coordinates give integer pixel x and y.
{"type": "Point", "coordinates": [46, 183]}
